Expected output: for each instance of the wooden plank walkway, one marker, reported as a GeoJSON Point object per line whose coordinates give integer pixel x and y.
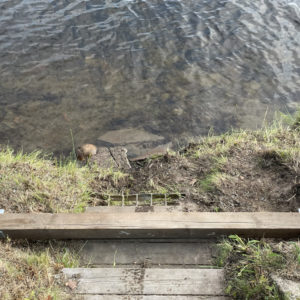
{"type": "Point", "coordinates": [150, 269]}
{"type": "Point", "coordinates": [160, 282]}
{"type": "Point", "coordinates": [149, 225]}
{"type": "Point", "coordinates": [141, 252]}
{"type": "Point", "coordinates": [131, 209]}
{"type": "Point", "coordinates": [152, 255]}
{"type": "Point", "coordinates": [152, 297]}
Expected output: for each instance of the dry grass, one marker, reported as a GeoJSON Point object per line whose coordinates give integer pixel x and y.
{"type": "Point", "coordinates": [33, 183]}
{"type": "Point", "coordinates": [240, 170]}
{"type": "Point", "coordinates": [27, 271]}
{"type": "Point", "coordinates": [249, 265]}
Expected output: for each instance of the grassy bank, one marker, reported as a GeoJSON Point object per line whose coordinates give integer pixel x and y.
{"type": "Point", "coordinates": [28, 270]}
{"type": "Point", "coordinates": [250, 264]}
{"type": "Point", "coordinates": [237, 171]}
{"type": "Point", "coordinates": [36, 183]}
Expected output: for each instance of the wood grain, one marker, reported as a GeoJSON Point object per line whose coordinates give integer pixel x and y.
{"type": "Point", "coordinates": [130, 281]}
{"type": "Point", "coordinates": [149, 225]}
{"type": "Point", "coordinates": [152, 297]}
{"type": "Point", "coordinates": [150, 253]}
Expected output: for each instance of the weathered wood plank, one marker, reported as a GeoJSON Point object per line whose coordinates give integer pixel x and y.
{"type": "Point", "coordinates": [152, 297]}
{"type": "Point", "coordinates": [115, 157]}
{"type": "Point", "coordinates": [149, 225]}
{"type": "Point", "coordinates": [130, 281]}
{"type": "Point", "coordinates": [162, 253]}
{"type": "Point", "coordinates": [131, 209]}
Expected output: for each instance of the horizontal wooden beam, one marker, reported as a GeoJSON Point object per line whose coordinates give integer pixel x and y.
{"type": "Point", "coordinates": [149, 225]}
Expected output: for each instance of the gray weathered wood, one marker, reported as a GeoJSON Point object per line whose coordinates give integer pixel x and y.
{"type": "Point", "coordinates": [130, 281]}
{"type": "Point", "coordinates": [103, 158]}
{"type": "Point", "coordinates": [149, 225]}
{"type": "Point", "coordinates": [119, 155]}
{"type": "Point", "coordinates": [162, 253]}
{"type": "Point", "coordinates": [152, 297]}
{"type": "Point", "coordinates": [115, 157]}
{"type": "Point", "coordinates": [130, 209]}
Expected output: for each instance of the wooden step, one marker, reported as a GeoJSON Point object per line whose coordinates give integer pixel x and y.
{"type": "Point", "coordinates": [150, 253]}
{"type": "Point", "coordinates": [147, 282]}
{"type": "Point", "coordinates": [152, 297]}
{"type": "Point", "coordinates": [132, 209]}
{"type": "Point", "coordinates": [149, 225]}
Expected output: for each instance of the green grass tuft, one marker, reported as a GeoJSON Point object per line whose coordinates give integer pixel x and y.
{"type": "Point", "coordinates": [33, 182]}
{"type": "Point", "coordinates": [249, 264]}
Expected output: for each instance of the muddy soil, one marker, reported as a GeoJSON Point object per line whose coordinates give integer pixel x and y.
{"type": "Point", "coordinates": [249, 186]}
{"type": "Point", "coordinates": [225, 175]}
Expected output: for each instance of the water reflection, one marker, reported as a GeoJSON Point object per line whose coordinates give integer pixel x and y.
{"type": "Point", "coordinates": [170, 68]}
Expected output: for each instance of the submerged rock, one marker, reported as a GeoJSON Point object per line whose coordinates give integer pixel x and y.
{"type": "Point", "coordinates": [159, 150]}
{"type": "Point", "coordinates": [129, 136]}
{"type": "Point", "coordinates": [138, 142]}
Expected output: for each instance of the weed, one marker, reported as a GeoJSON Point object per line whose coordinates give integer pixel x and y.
{"type": "Point", "coordinates": [223, 251]}
{"type": "Point", "coordinates": [297, 252]}
{"type": "Point", "coordinates": [67, 259]}
{"type": "Point", "coordinates": [27, 270]}
{"type": "Point", "coordinates": [251, 262]}
{"type": "Point", "coordinates": [211, 181]}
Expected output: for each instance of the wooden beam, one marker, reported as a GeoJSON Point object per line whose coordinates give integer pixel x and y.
{"type": "Point", "coordinates": [131, 209]}
{"type": "Point", "coordinates": [149, 225]}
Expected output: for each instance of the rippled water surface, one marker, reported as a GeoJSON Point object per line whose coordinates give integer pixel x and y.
{"type": "Point", "coordinates": [169, 69]}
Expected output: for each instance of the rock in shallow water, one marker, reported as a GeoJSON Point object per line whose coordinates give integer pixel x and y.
{"type": "Point", "coordinates": [129, 136]}
{"type": "Point", "coordinates": [138, 142]}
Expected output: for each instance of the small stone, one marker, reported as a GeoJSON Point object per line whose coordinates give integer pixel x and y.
{"type": "Point", "coordinates": [193, 181]}
{"type": "Point", "coordinates": [71, 284]}
{"type": "Point", "coordinates": [290, 288]}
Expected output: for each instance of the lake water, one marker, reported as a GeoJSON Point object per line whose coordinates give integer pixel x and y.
{"type": "Point", "coordinates": [143, 72]}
